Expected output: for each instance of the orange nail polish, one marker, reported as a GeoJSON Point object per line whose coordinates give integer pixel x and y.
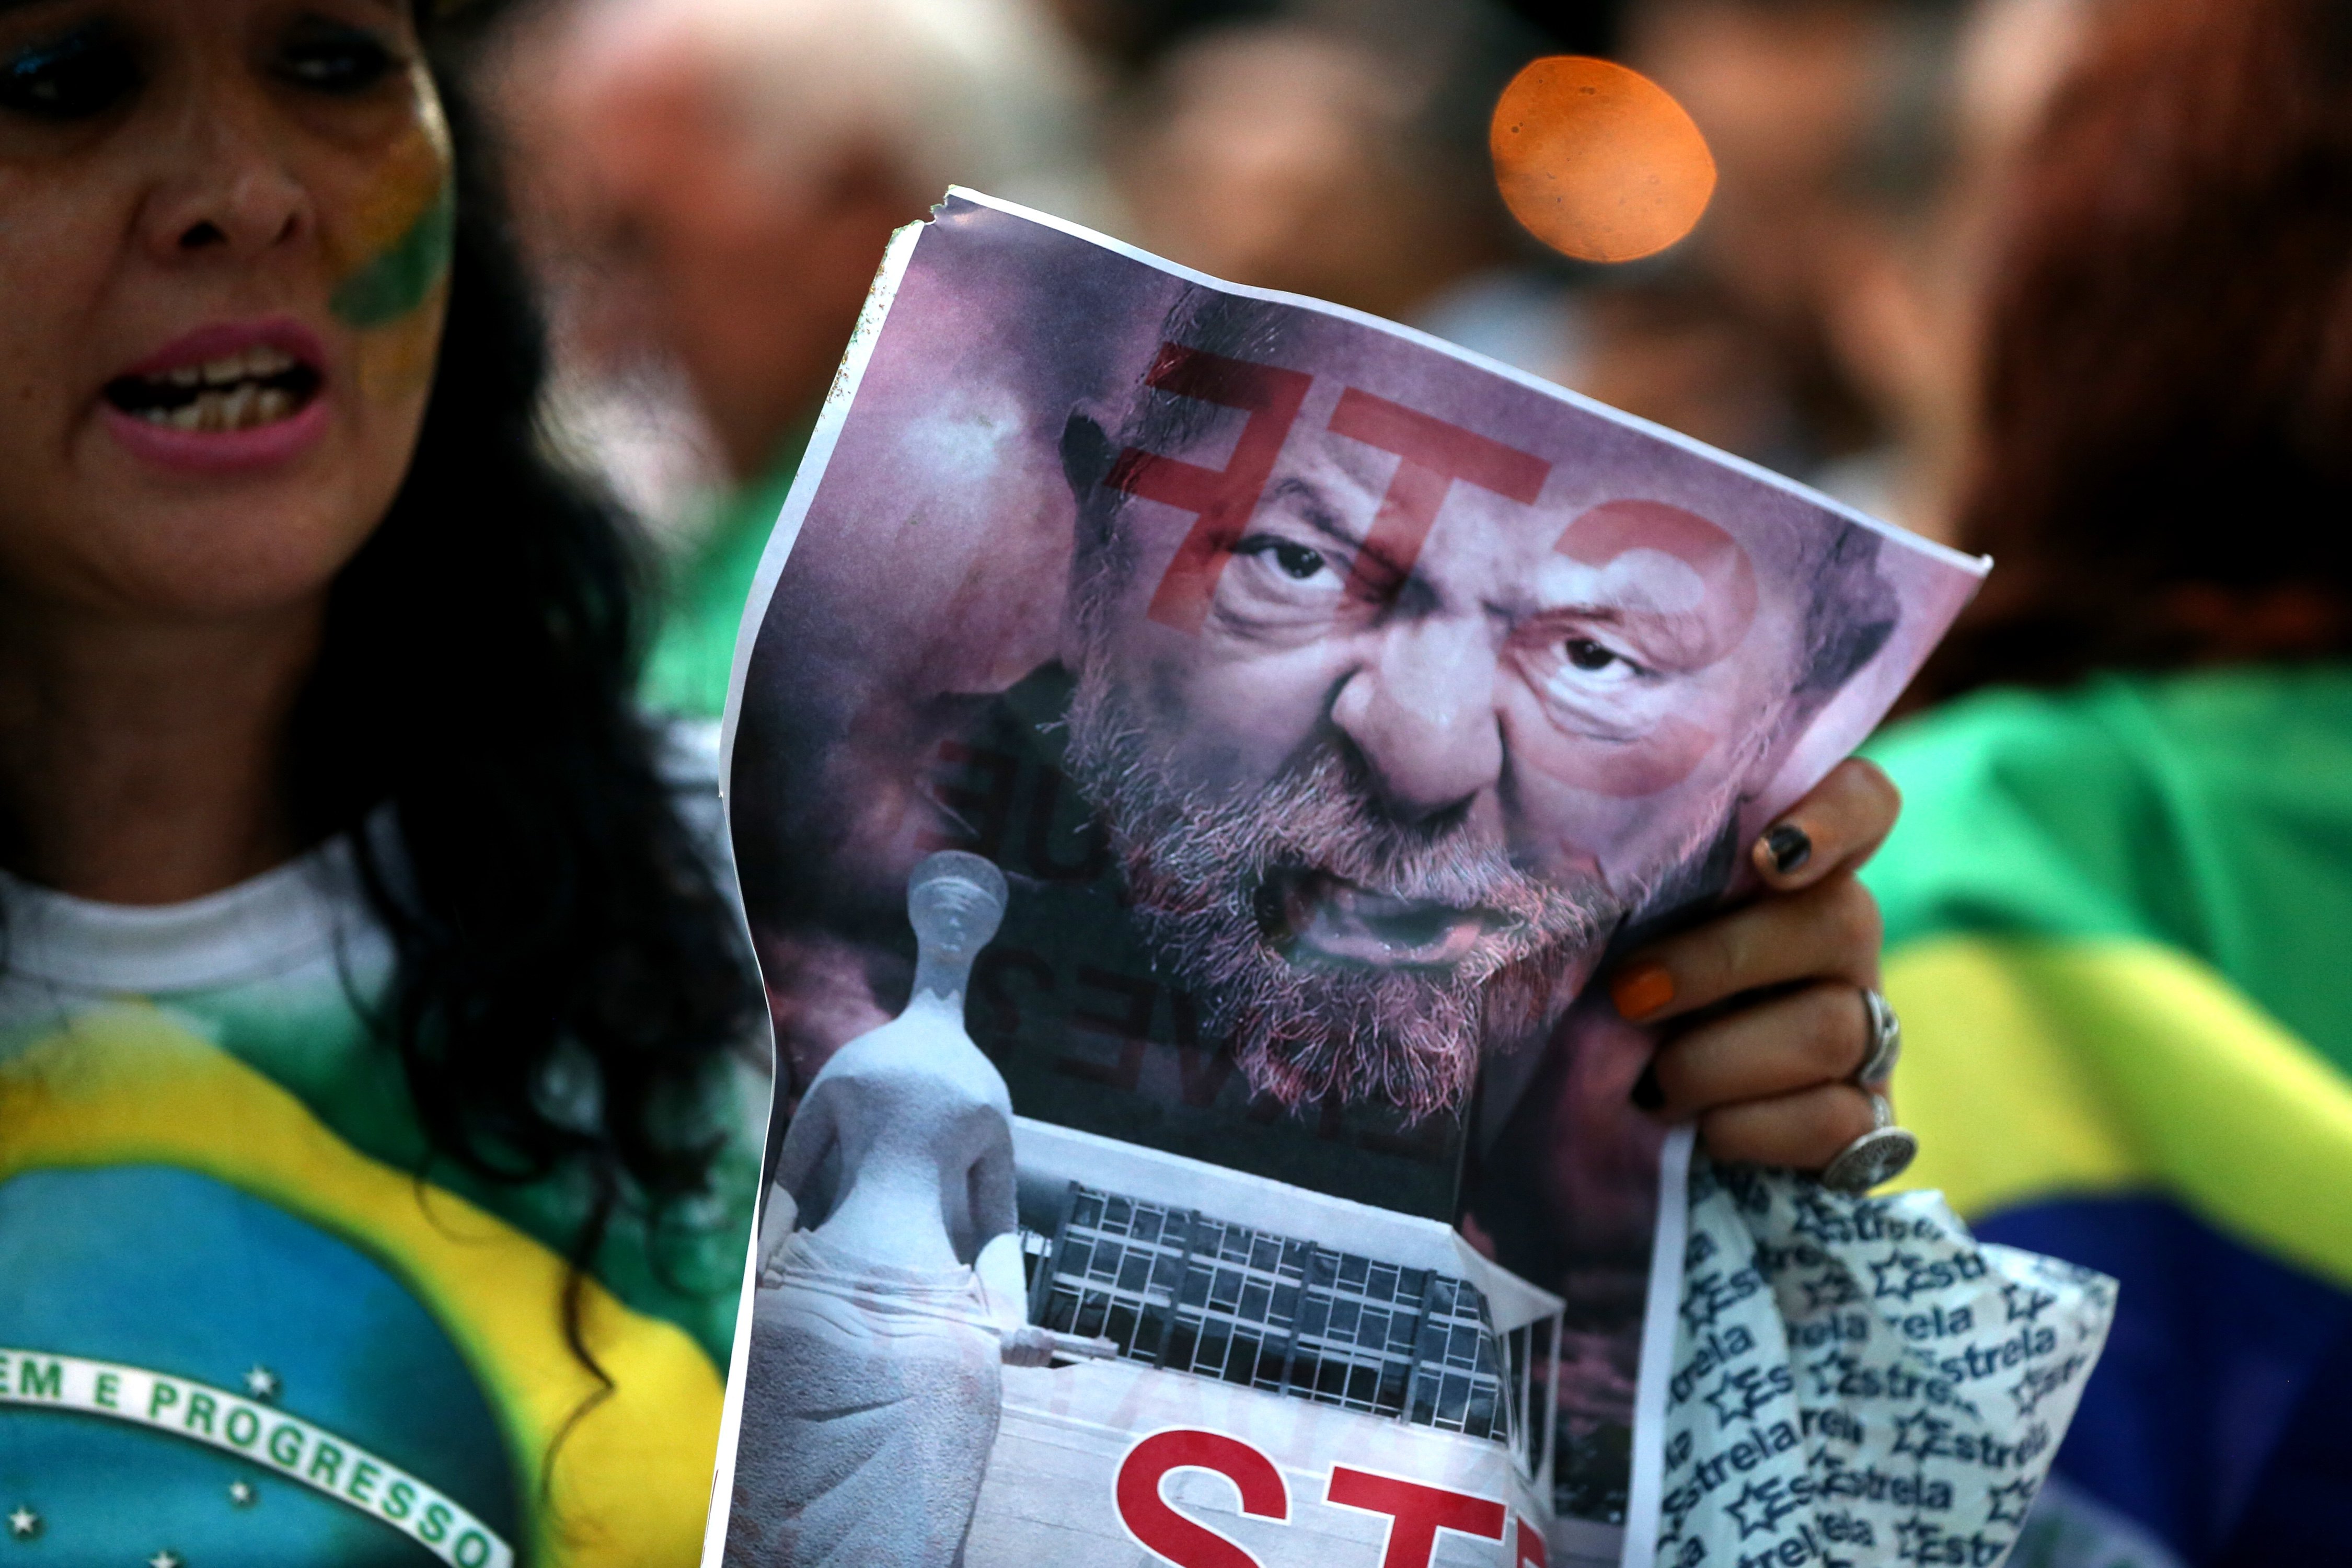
{"type": "Point", "coordinates": [1642, 991]}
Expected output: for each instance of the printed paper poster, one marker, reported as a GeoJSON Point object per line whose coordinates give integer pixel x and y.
{"type": "Point", "coordinates": [1323, 706]}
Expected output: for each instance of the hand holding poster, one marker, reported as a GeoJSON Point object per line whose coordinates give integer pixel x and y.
{"type": "Point", "coordinates": [1309, 709]}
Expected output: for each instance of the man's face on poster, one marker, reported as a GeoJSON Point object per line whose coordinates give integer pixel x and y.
{"type": "Point", "coordinates": [1390, 753]}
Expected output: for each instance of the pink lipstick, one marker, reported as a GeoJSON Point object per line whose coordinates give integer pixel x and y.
{"type": "Point", "coordinates": [234, 397]}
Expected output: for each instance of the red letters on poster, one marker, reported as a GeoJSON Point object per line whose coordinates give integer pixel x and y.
{"type": "Point", "coordinates": [1224, 498]}
{"type": "Point", "coordinates": [1675, 746]}
{"type": "Point", "coordinates": [1420, 1512]}
{"type": "Point", "coordinates": [1606, 532]}
{"type": "Point", "coordinates": [1416, 1512]}
{"type": "Point", "coordinates": [1175, 1537]}
{"type": "Point", "coordinates": [1434, 454]}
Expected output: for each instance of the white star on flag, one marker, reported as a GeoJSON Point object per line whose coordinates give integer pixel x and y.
{"type": "Point", "coordinates": [261, 1383]}
{"type": "Point", "coordinates": [166, 1560]}
{"type": "Point", "coordinates": [24, 1524]}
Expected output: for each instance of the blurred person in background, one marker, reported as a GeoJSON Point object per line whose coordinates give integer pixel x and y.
{"type": "Point", "coordinates": [2115, 909]}
{"type": "Point", "coordinates": [1908, 247]}
{"type": "Point", "coordinates": [1343, 157]}
{"type": "Point", "coordinates": [1285, 156]}
{"type": "Point", "coordinates": [1728, 337]}
{"type": "Point", "coordinates": [1724, 326]}
{"type": "Point", "coordinates": [1327, 153]}
{"type": "Point", "coordinates": [1126, 36]}
{"type": "Point", "coordinates": [720, 178]}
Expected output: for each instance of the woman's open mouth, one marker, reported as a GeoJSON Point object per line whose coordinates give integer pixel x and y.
{"type": "Point", "coordinates": [234, 399]}
{"type": "Point", "coordinates": [264, 385]}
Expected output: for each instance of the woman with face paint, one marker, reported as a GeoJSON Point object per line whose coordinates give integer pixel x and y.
{"type": "Point", "coordinates": [378, 1134]}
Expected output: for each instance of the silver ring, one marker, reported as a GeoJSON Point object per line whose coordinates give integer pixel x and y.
{"type": "Point", "coordinates": [1879, 1155]}
{"type": "Point", "coordinates": [1885, 1041]}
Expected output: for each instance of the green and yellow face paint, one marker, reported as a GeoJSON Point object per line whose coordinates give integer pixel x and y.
{"type": "Point", "coordinates": [390, 254]}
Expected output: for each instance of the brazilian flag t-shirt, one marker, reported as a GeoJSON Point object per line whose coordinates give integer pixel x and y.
{"type": "Point", "coordinates": [244, 1319]}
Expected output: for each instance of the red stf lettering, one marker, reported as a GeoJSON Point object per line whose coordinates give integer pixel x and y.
{"type": "Point", "coordinates": [1608, 530]}
{"type": "Point", "coordinates": [1161, 1529]}
{"type": "Point", "coordinates": [1418, 1513]}
{"type": "Point", "coordinates": [1223, 499]}
{"type": "Point", "coordinates": [1729, 581]}
{"type": "Point", "coordinates": [1432, 455]}
{"type": "Point", "coordinates": [1530, 1547]}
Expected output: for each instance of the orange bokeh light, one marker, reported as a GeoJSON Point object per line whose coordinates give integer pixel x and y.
{"type": "Point", "coordinates": [1596, 160]}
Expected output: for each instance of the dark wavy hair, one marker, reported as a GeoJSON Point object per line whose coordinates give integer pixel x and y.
{"type": "Point", "coordinates": [2165, 471]}
{"type": "Point", "coordinates": [549, 908]}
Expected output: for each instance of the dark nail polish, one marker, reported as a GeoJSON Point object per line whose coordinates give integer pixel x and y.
{"type": "Point", "coordinates": [1647, 1095]}
{"type": "Point", "coordinates": [1788, 846]}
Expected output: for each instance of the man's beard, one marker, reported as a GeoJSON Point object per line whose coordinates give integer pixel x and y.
{"type": "Point", "coordinates": [1205, 877]}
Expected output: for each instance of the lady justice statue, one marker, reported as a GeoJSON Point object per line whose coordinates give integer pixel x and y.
{"type": "Point", "coordinates": [878, 1338]}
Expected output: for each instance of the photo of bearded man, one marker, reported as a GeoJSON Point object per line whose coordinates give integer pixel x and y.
{"type": "Point", "coordinates": [1370, 782]}
{"type": "Point", "coordinates": [1336, 706]}
{"type": "Point", "coordinates": [1363, 697]}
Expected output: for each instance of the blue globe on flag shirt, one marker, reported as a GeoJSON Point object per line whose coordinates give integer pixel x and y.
{"type": "Point", "coordinates": [301, 1320]}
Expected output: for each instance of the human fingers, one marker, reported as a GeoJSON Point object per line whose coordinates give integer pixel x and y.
{"type": "Point", "coordinates": [1816, 1034]}
{"type": "Point", "coordinates": [1828, 931]}
{"type": "Point", "coordinates": [1799, 1132]}
{"type": "Point", "coordinates": [1836, 827]}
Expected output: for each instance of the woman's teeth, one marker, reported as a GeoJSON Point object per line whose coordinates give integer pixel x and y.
{"type": "Point", "coordinates": [242, 407]}
{"type": "Point", "coordinates": [240, 391]}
